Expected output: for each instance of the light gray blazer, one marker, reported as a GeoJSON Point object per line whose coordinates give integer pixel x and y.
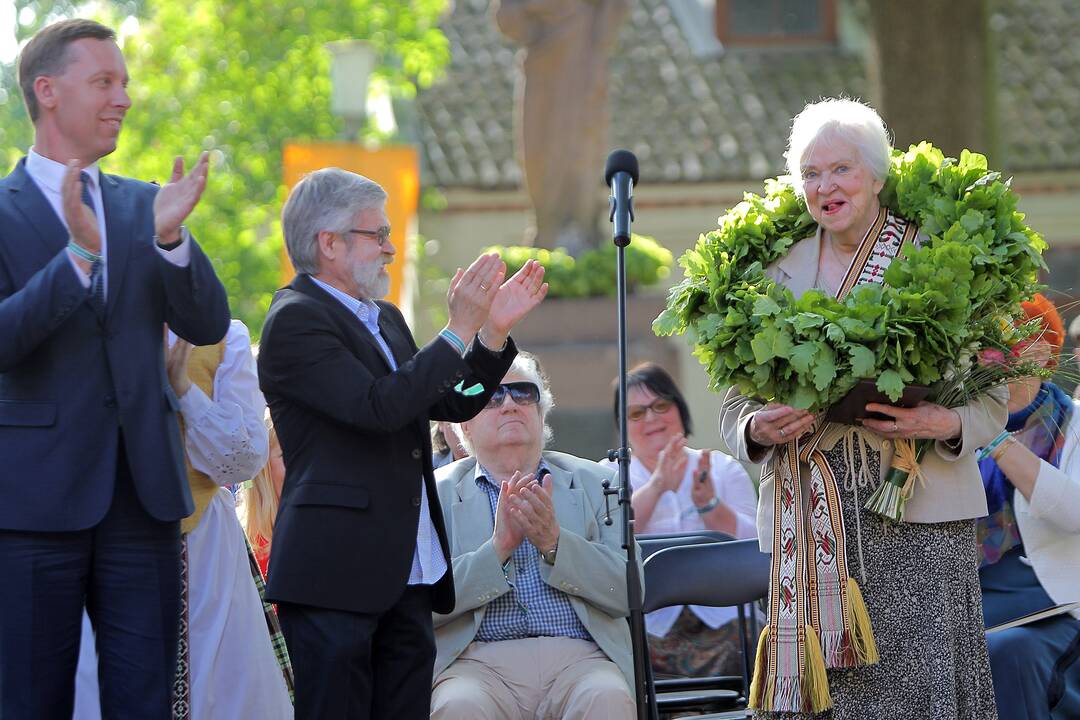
{"type": "Point", "coordinates": [953, 489]}
{"type": "Point", "coordinates": [590, 566]}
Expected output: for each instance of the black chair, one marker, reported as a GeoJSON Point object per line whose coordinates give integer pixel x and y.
{"type": "Point", "coordinates": [717, 574]}
{"type": "Point", "coordinates": [651, 543]}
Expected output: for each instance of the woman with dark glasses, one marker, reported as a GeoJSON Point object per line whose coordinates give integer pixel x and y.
{"type": "Point", "coordinates": [680, 489]}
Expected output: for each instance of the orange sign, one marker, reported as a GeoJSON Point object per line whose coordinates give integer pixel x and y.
{"type": "Point", "coordinates": [396, 168]}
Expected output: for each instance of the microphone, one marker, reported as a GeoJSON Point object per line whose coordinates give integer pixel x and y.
{"type": "Point", "coordinates": [621, 174]}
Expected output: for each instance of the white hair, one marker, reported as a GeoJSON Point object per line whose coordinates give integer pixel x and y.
{"type": "Point", "coordinates": [327, 199]}
{"type": "Point", "coordinates": [528, 366]}
{"type": "Point", "coordinates": [838, 118]}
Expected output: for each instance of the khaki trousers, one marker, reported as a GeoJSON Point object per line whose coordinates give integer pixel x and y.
{"type": "Point", "coordinates": [543, 678]}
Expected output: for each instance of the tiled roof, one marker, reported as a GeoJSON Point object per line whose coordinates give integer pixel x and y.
{"type": "Point", "coordinates": [699, 119]}
{"type": "Point", "coordinates": [1038, 68]}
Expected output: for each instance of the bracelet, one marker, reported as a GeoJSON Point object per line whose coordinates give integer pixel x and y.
{"type": "Point", "coordinates": [708, 507]}
{"type": "Point", "coordinates": [80, 252]}
{"type": "Point", "coordinates": [993, 445]}
{"type": "Point", "coordinates": [1000, 449]}
{"type": "Point", "coordinates": [452, 337]}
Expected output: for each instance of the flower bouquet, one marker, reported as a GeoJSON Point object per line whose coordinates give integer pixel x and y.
{"type": "Point", "coordinates": [939, 306]}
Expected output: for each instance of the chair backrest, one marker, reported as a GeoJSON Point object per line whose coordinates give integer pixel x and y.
{"type": "Point", "coordinates": [650, 544]}
{"type": "Point", "coordinates": [717, 574]}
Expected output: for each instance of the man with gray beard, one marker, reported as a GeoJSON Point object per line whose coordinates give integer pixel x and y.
{"type": "Point", "coordinates": [360, 555]}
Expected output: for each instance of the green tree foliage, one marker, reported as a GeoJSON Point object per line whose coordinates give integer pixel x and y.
{"type": "Point", "coordinates": [239, 79]}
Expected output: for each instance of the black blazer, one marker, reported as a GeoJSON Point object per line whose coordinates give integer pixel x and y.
{"type": "Point", "coordinates": [355, 440]}
{"type": "Point", "coordinates": [69, 381]}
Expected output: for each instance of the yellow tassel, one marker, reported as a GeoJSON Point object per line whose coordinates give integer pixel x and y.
{"type": "Point", "coordinates": [862, 632]}
{"type": "Point", "coordinates": [815, 682]}
{"type": "Point", "coordinates": [907, 460]}
{"type": "Point", "coordinates": [760, 697]}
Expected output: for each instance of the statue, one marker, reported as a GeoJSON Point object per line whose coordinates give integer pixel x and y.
{"type": "Point", "coordinates": [561, 112]}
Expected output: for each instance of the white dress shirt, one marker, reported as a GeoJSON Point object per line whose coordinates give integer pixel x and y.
{"type": "Point", "coordinates": [48, 175]}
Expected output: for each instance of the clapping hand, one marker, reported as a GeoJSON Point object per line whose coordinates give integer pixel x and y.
{"type": "Point", "coordinates": [532, 510]}
{"type": "Point", "coordinates": [176, 364]}
{"type": "Point", "coordinates": [508, 534]}
{"type": "Point", "coordinates": [702, 491]}
{"type": "Point", "coordinates": [177, 198]}
{"type": "Point", "coordinates": [514, 300]}
{"type": "Point", "coordinates": [471, 294]}
{"type": "Point", "coordinates": [671, 464]}
{"type": "Point", "coordinates": [81, 221]}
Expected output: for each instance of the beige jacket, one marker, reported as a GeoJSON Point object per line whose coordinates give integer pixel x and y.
{"type": "Point", "coordinates": [590, 566]}
{"type": "Point", "coordinates": [953, 489]}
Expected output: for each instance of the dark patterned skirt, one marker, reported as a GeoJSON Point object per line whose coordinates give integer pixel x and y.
{"type": "Point", "coordinates": [693, 649]}
{"type": "Point", "coordinates": [921, 586]}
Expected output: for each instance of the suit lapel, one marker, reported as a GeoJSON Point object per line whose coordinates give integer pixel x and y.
{"type": "Point", "coordinates": [40, 217]}
{"type": "Point", "coordinates": [119, 236]}
{"type": "Point", "coordinates": [304, 284]}
{"type": "Point", "coordinates": [399, 346]}
{"type": "Point", "coordinates": [564, 495]}
{"type": "Point", "coordinates": [471, 513]}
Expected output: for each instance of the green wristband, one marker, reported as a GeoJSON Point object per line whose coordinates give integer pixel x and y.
{"type": "Point", "coordinates": [82, 253]}
{"type": "Point", "coordinates": [708, 507]}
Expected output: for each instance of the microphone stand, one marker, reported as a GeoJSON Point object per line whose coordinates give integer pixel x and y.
{"type": "Point", "coordinates": [644, 688]}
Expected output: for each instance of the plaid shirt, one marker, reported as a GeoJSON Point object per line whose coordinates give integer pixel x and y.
{"type": "Point", "coordinates": [532, 608]}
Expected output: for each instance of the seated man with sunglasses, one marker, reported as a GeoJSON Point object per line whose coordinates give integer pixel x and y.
{"type": "Point", "coordinates": [539, 627]}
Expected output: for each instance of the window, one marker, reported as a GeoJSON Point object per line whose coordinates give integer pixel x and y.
{"type": "Point", "coordinates": [776, 22]}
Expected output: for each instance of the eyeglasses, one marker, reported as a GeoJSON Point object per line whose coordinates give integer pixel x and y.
{"type": "Point", "coordinates": [522, 393]}
{"type": "Point", "coordinates": [381, 235]}
{"type": "Point", "coordinates": [658, 407]}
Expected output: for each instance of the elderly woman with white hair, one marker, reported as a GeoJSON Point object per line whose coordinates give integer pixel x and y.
{"type": "Point", "coordinates": [893, 609]}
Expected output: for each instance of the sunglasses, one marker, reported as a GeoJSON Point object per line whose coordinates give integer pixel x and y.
{"type": "Point", "coordinates": [522, 393]}
{"type": "Point", "coordinates": [658, 407]}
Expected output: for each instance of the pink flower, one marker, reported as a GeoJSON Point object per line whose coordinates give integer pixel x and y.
{"type": "Point", "coordinates": [990, 356]}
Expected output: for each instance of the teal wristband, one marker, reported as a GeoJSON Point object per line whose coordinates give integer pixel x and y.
{"type": "Point", "coordinates": [453, 339]}
{"type": "Point", "coordinates": [82, 252]}
{"type": "Point", "coordinates": [986, 451]}
{"type": "Point", "coordinates": [708, 507]}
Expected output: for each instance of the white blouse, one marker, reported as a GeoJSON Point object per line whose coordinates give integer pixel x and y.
{"type": "Point", "coordinates": [226, 437]}
{"type": "Point", "coordinates": [675, 512]}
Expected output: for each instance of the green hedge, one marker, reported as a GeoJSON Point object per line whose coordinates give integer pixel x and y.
{"type": "Point", "coordinates": [593, 273]}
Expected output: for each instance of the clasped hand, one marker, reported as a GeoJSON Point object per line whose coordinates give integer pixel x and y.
{"type": "Point", "coordinates": [776, 424]}
{"type": "Point", "coordinates": [524, 511]}
{"type": "Point", "coordinates": [924, 421]}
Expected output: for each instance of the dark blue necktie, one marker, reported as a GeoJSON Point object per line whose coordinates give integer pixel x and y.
{"type": "Point", "coordinates": [97, 268]}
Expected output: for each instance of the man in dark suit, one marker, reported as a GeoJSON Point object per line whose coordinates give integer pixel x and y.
{"type": "Point", "coordinates": [92, 266]}
{"type": "Point", "coordinates": [360, 551]}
